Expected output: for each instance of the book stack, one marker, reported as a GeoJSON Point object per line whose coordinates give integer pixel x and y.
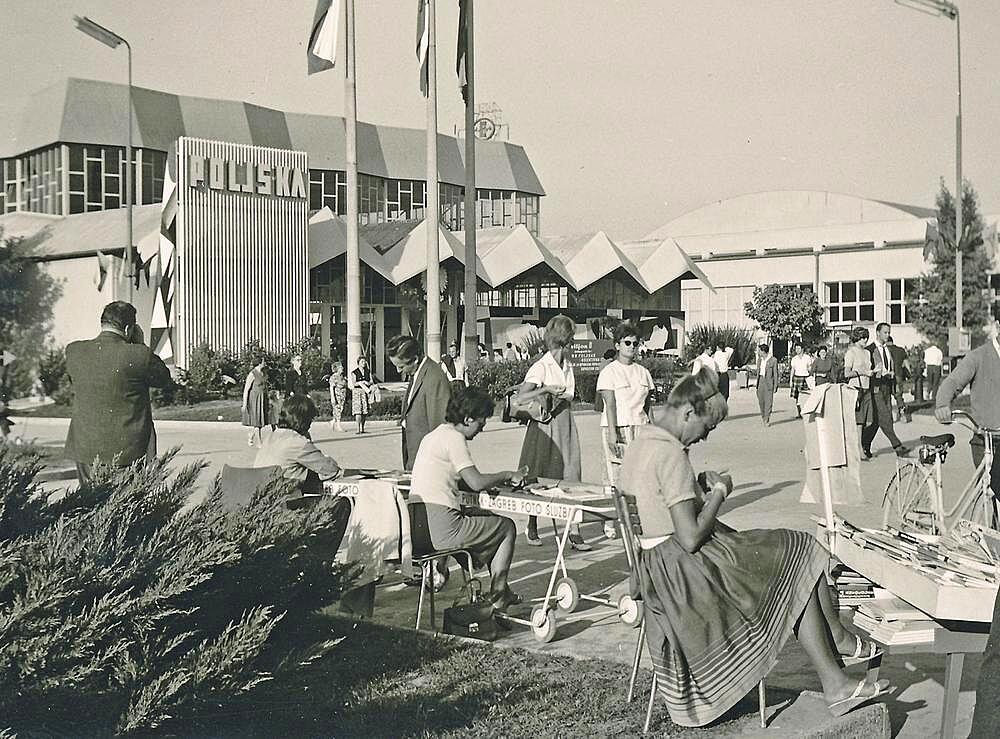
{"type": "Point", "coordinates": [853, 588]}
{"type": "Point", "coordinates": [894, 621]}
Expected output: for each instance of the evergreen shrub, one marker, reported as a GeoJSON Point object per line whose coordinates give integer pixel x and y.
{"type": "Point", "coordinates": [121, 610]}
{"type": "Point", "coordinates": [704, 335]}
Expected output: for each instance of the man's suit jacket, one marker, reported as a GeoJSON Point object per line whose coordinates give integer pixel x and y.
{"type": "Point", "coordinates": [424, 407]}
{"type": "Point", "coordinates": [898, 355]}
{"type": "Point", "coordinates": [768, 380]}
{"type": "Point", "coordinates": [877, 364]}
{"type": "Point", "coordinates": [111, 411]}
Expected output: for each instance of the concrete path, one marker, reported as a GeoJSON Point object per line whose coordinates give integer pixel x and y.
{"type": "Point", "coordinates": [767, 466]}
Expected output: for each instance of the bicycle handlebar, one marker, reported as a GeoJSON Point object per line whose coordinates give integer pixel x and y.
{"type": "Point", "coordinates": [973, 424]}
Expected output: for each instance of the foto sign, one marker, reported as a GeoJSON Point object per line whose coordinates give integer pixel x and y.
{"type": "Point", "coordinates": [229, 175]}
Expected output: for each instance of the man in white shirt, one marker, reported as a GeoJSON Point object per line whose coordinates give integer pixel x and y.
{"type": "Point", "coordinates": [721, 358]}
{"type": "Point", "coordinates": [704, 359]}
{"type": "Point", "coordinates": [933, 358]}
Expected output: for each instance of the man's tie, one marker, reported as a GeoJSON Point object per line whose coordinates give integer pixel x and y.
{"type": "Point", "coordinates": [885, 359]}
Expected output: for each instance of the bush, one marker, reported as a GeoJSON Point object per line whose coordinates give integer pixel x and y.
{"type": "Point", "coordinates": [389, 408]}
{"type": "Point", "coordinates": [52, 370]}
{"type": "Point", "coordinates": [123, 612]}
{"type": "Point", "coordinates": [708, 335]}
{"type": "Point", "coordinates": [495, 377]}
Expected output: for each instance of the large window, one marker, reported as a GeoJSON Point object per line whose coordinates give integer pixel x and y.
{"type": "Point", "coordinates": [39, 176]}
{"type": "Point", "coordinates": [897, 293]}
{"type": "Point", "coordinates": [328, 187]}
{"type": "Point", "coordinates": [371, 205]}
{"type": "Point", "coordinates": [850, 301]}
{"type": "Point", "coordinates": [405, 199]}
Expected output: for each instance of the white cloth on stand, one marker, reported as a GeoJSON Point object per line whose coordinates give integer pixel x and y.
{"type": "Point", "coordinates": [377, 531]}
{"type": "Point", "coordinates": [828, 417]}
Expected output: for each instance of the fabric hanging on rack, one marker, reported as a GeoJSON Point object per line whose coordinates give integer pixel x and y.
{"type": "Point", "coordinates": [377, 531]}
{"type": "Point", "coordinates": [828, 417]}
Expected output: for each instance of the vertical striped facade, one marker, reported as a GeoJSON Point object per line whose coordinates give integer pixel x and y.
{"type": "Point", "coordinates": [242, 255]}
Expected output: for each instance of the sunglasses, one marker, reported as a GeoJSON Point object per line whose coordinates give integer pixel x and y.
{"type": "Point", "coordinates": [629, 342]}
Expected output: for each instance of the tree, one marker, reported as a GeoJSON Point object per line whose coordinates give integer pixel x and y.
{"type": "Point", "coordinates": [787, 312]}
{"type": "Point", "coordinates": [932, 311]}
{"type": "Point", "coordinates": [27, 294]}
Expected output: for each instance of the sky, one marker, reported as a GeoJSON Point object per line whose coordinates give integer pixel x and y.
{"type": "Point", "coordinates": [633, 112]}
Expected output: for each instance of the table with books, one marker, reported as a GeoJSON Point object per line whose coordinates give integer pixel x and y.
{"type": "Point", "coordinates": [915, 593]}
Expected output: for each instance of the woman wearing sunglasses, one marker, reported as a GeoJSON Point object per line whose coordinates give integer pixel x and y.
{"type": "Point", "coordinates": [626, 388]}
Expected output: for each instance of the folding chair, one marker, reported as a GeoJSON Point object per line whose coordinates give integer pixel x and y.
{"type": "Point", "coordinates": [631, 529]}
{"type": "Point", "coordinates": [238, 484]}
{"type": "Point", "coordinates": [424, 555]}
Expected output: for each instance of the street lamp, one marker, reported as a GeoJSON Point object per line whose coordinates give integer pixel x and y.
{"type": "Point", "coordinates": [112, 39]}
{"type": "Point", "coordinates": [945, 9]}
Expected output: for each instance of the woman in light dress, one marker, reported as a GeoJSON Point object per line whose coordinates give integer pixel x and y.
{"type": "Point", "coordinates": [255, 408]}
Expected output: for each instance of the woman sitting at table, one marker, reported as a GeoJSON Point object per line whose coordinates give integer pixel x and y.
{"type": "Point", "coordinates": [290, 447]}
{"type": "Point", "coordinates": [721, 603]}
{"type": "Point", "coordinates": [442, 460]}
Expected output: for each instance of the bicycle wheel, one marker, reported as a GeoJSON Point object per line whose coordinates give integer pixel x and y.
{"type": "Point", "coordinates": [908, 503]}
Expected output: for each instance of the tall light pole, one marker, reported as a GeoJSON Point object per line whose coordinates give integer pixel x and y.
{"type": "Point", "coordinates": [945, 9]}
{"type": "Point", "coordinates": [112, 39]}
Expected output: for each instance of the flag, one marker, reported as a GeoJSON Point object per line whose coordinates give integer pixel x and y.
{"type": "Point", "coordinates": [462, 50]}
{"type": "Point", "coordinates": [322, 51]}
{"type": "Point", "coordinates": [932, 242]}
{"type": "Point", "coordinates": [102, 271]}
{"type": "Point", "coordinates": [423, 42]}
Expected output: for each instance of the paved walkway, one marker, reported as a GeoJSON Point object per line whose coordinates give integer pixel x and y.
{"type": "Point", "coordinates": [767, 466]}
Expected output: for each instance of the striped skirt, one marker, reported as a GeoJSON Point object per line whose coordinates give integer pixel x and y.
{"type": "Point", "coordinates": [798, 384]}
{"type": "Point", "coordinates": [717, 619]}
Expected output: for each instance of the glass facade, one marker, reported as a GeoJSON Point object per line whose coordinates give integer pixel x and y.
{"type": "Point", "coordinates": [77, 178]}
{"type": "Point", "coordinates": [897, 293]}
{"type": "Point", "coordinates": [381, 200]}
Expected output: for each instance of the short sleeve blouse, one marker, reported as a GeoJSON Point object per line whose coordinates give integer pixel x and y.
{"type": "Point", "coordinates": [441, 457]}
{"type": "Point", "coordinates": [547, 371]}
{"type": "Point", "coordinates": [657, 471]}
{"type": "Point", "coordinates": [631, 384]}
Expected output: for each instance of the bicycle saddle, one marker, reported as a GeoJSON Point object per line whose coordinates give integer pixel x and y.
{"type": "Point", "coordinates": [945, 440]}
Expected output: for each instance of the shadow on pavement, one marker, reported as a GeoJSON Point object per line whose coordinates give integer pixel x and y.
{"type": "Point", "coordinates": [752, 496]}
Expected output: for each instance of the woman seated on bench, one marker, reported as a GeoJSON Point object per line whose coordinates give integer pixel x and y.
{"type": "Point", "coordinates": [290, 447]}
{"type": "Point", "coordinates": [721, 603]}
{"type": "Point", "coordinates": [442, 460]}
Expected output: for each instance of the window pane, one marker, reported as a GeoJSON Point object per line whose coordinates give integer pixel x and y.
{"type": "Point", "coordinates": [76, 182]}
{"type": "Point", "coordinates": [895, 313]}
{"type": "Point", "coordinates": [834, 314]}
{"type": "Point", "coordinates": [867, 312]}
{"type": "Point", "coordinates": [849, 313]}
{"type": "Point", "coordinates": [868, 289]}
{"type": "Point", "coordinates": [93, 182]}
{"type": "Point", "coordinates": [833, 292]}
{"type": "Point", "coordinates": [894, 289]}
{"type": "Point", "coordinates": [849, 292]}
{"type": "Point", "coordinates": [76, 203]}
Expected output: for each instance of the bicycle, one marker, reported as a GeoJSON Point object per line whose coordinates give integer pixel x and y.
{"type": "Point", "coordinates": [913, 499]}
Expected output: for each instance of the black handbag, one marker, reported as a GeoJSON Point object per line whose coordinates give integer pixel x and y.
{"type": "Point", "coordinates": [475, 619]}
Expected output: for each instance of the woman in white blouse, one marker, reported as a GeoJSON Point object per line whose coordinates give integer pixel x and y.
{"type": "Point", "coordinates": [625, 387]}
{"type": "Point", "coordinates": [553, 449]}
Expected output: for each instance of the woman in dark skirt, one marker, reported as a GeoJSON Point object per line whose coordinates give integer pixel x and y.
{"type": "Point", "coordinates": [720, 604]}
{"type": "Point", "coordinates": [442, 460]}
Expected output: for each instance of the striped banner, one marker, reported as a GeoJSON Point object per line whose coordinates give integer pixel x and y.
{"type": "Point", "coordinates": [321, 51]}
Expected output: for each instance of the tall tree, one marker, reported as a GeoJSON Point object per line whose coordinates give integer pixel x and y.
{"type": "Point", "coordinates": [932, 311]}
{"type": "Point", "coordinates": [27, 294]}
{"type": "Point", "coordinates": [787, 312]}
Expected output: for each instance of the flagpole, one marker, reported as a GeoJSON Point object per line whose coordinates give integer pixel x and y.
{"type": "Point", "coordinates": [431, 219]}
{"type": "Point", "coordinates": [471, 350]}
{"type": "Point", "coordinates": [353, 253]}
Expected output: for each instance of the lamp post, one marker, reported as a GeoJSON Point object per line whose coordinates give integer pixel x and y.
{"type": "Point", "coordinates": [113, 40]}
{"type": "Point", "coordinates": [945, 9]}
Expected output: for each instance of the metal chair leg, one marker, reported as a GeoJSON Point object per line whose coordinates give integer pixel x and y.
{"type": "Point", "coordinates": [420, 598]}
{"type": "Point", "coordinates": [649, 708]}
{"type": "Point", "coordinates": [635, 661]}
{"type": "Point", "coordinates": [762, 700]}
{"type": "Point", "coordinates": [430, 594]}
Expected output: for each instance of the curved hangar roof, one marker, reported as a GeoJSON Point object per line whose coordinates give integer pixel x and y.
{"type": "Point", "coordinates": [89, 112]}
{"type": "Point", "coordinates": [778, 210]}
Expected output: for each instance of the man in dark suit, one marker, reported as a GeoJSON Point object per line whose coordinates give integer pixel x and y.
{"type": "Point", "coordinates": [882, 381]}
{"type": "Point", "coordinates": [111, 375]}
{"type": "Point", "coordinates": [901, 373]}
{"type": "Point", "coordinates": [427, 395]}
{"type": "Point", "coordinates": [767, 382]}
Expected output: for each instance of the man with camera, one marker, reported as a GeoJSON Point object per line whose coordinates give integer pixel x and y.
{"type": "Point", "coordinates": [112, 374]}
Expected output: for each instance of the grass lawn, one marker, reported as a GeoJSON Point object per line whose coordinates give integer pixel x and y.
{"type": "Point", "coordinates": [381, 681]}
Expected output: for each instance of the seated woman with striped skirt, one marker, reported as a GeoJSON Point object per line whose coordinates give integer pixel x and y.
{"type": "Point", "coordinates": [720, 603]}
